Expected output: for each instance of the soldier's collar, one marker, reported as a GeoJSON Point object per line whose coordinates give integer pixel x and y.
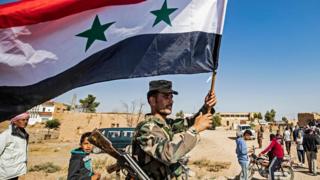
{"type": "Point", "coordinates": [155, 119]}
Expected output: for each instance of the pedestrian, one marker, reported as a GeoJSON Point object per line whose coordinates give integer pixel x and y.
{"type": "Point", "coordinates": [310, 142]}
{"type": "Point", "coordinates": [159, 143]}
{"type": "Point", "coordinates": [287, 139]}
{"type": "Point", "coordinates": [295, 133]}
{"type": "Point", "coordinates": [14, 148]}
{"type": "Point", "coordinates": [260, 136]}
{"type": "Point", "coordinates": [80, 165]}
{"type": "Point", "coordinates": [242, 153]}
{"type": "Point", "coordinates": [279, 137]}
{"type": "Point", "coordinates": [300, 150]}
{"type": "Point", "coordinates": [277, 153]}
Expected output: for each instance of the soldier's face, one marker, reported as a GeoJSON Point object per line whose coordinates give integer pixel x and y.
{"type": "Point", "coordinates": [163, 103]}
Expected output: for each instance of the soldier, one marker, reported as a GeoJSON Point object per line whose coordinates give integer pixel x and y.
{"type": "Point", "coordinates": [160, 143]}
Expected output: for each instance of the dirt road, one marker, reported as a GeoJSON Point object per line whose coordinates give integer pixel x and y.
{"type": "Point", "coordinates": [215, 146]}
{"type": "Point", "coordinates": [220, 145]}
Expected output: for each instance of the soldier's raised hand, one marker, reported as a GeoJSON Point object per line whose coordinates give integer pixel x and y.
{"type": "Point", "coordinates": [203, 122]}
{"type": "Point", "coordinates": [210, 100]}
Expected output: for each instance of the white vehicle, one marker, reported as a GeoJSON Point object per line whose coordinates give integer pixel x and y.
{"type": "Point", "coordinates": [243, 127]}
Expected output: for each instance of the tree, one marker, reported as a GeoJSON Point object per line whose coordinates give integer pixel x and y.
{"type": "Point", "coordinates": [259, 116]}
{"type": "Point", "coordinates": [180, 114]}
{"type": "Point", "coordinates": [270, 115]}
{"type": "Point", "coordinates": [52, 124]}
{"type": "Point", "coordinates": [216, 121]}
{"type": "Point", "coordinates": [88, 104]}
{"type": "Point", "coordinates": [267, 116]}
{"type": "Point", "coordinates": [285, 119]}
{"type": "Point", "coordinates": [273, 115]}
{"type": "Point", "coordinates": [131, 120]}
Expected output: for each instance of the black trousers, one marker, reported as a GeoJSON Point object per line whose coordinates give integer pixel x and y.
{"type": "Point", "coordinates": [273, 166]}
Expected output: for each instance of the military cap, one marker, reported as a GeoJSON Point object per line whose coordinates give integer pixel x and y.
{"type": "Point", "coordinates": [162, 86]}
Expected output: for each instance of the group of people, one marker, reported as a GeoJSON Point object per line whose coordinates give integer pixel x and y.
{"type": "Point", "coordinates": [307, 140]}
{"type": "Point", "coordinates": [158, 145]}
{"type": "Point", "coordinates": [274, 150]}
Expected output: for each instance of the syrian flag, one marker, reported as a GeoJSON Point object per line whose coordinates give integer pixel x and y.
{"type": "Point", "coordinates": [50, 47]}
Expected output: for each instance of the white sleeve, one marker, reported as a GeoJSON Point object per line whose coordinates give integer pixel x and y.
{"type": "Point", "coordinates": [3, 141]}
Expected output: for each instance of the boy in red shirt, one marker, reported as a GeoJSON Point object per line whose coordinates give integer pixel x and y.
{"type": "Point", "coordinates": [277, 152]}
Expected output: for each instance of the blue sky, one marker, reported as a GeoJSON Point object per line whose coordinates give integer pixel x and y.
{"type": "Point", "coordinates": [269, 58]}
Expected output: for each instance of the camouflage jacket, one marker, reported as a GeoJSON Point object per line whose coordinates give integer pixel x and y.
{"type": "Point", "coordinates": [159, 145]}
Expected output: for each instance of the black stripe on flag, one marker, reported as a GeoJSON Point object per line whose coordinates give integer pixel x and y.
{"type": "Point", "coordinates": [139, 56]}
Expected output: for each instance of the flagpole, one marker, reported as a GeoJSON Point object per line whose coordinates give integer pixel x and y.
{"type": "Point", "coordinates": [213, 80]}
{"type": "Point", "coordinates": [212, 91]}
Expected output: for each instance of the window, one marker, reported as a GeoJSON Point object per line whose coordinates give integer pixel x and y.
{"type": "Point", "coordinates": [43, 109]}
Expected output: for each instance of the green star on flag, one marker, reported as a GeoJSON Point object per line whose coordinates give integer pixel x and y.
{"type": "Point", "coordinates": [163, 14]}
{"type": "Point", "coordinates": [96, 32]}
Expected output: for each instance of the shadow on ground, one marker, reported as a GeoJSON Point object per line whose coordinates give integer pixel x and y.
{"type": "Point", "coordinates": [232, 138]}
{"type": "Point", "coordinates": [238, 178]}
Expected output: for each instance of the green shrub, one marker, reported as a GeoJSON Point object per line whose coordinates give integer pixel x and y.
{"type": "Point", "coordinates": [52, 124]}
{"type": "Point", "coordinates": [47, 167]}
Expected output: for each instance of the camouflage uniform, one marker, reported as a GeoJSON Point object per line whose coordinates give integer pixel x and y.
{"type": "Point", "coordinates": [159, 145]}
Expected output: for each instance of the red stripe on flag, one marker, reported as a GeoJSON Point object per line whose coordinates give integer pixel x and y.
{"type": "Point", "coordinates": [35, 11]}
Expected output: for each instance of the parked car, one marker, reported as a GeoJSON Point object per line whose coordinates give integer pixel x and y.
{"type": "Point", "coordinates": [243, 127]}
{"type": "Point", "coordinates": [119, 137]}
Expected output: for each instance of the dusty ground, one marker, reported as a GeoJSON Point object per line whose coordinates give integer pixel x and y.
{"type": "Point", "coordinates": [213, 158]}
{"type": "Point", "coordinates": [220, 146]}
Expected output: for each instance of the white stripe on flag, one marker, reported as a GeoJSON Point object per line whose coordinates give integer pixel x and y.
{"type": "Point", "coordinates": [53, 47]}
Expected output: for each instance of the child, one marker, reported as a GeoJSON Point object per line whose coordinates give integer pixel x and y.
{"type": "Point", "coordinates": [80, 166]}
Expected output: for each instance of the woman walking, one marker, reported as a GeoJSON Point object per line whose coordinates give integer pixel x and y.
{"type": "Point", "coordinates": [300, 150]}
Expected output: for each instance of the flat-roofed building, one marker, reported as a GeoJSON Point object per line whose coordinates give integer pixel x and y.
{"type": "Point", "coordinates": [306, 117]}
{"type": "Point", "coordinates": [45, 111]}
{"type": "Point", "coordinates": [233, 119]}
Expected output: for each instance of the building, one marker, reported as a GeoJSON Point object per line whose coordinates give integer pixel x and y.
{"type": "Point", "coordinates": [305, 118]}
{"type": "Point", "coordinates": [233, 119]}
{"type": "Point", "coordinates": [45, 111]}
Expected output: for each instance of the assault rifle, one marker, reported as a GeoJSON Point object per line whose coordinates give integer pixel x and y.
{"type": "Point", "coordinates": [124, 160]}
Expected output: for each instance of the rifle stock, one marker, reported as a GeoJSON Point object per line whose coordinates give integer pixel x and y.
{"type": "Point", "coordinates": [124, 160]}
{"type": "Point", "coordinates": [99, 140]}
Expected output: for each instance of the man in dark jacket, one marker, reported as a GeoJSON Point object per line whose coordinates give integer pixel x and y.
{"type": "Point", "coordinates": [80, 166]}
{"type": "Point", "coordinates": [295, 133]}
{"type": "Point", "coordinates": [310, 142]}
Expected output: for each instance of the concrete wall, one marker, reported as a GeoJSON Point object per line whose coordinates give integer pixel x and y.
{"type": "Point", "coordinates": [73, 124]}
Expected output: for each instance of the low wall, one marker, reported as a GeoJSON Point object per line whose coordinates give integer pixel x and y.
{"type": "Point", "coordinates": [73, 124]}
